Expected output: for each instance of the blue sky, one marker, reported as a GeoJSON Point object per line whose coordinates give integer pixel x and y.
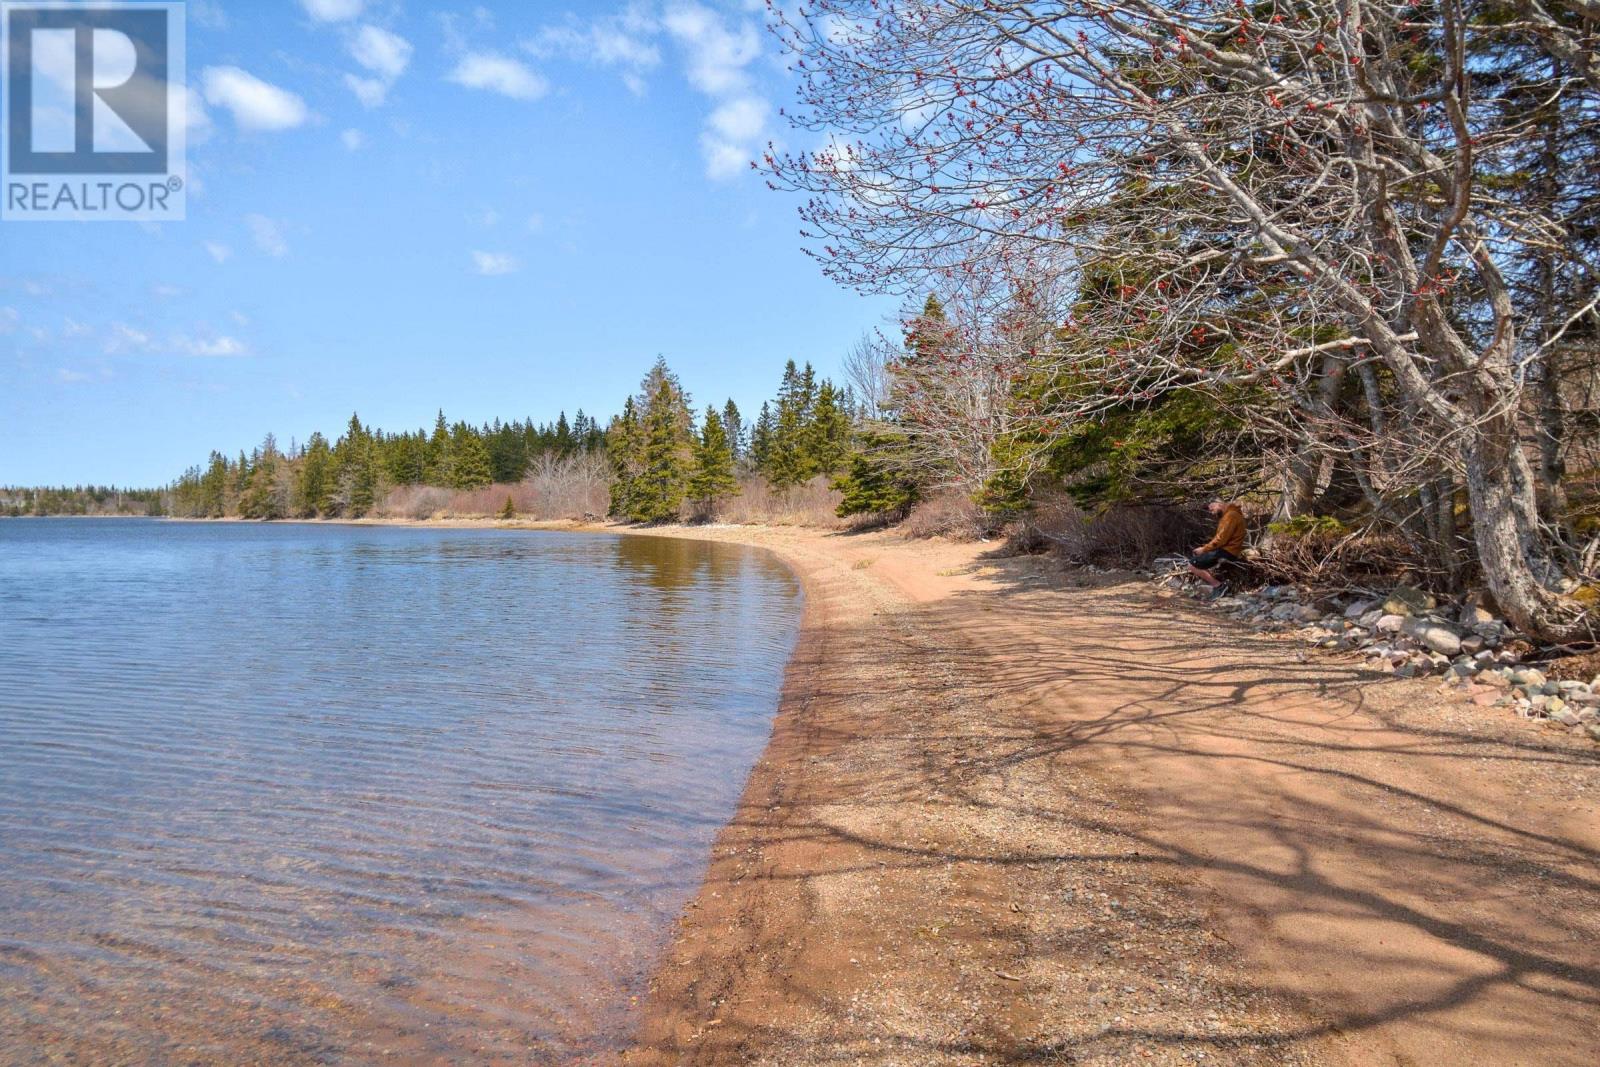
{"type": "Point", "coordinates": [505, 210]}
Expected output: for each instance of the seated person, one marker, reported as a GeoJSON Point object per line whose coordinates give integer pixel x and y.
{"type": "Point", "coordinates": [1226, 547]}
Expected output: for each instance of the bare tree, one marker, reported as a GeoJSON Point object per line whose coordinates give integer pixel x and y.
{"type": "Point", "coordinates": [1280, 198]}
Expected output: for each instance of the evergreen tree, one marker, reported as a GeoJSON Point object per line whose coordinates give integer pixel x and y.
{"type": "Point", "coordinates": [510, 509]}
{"type": "Point", "coordinates": [261, 498]}
{"type": "Point", "coordinates": [733, 424]}
{"type": "Point", "coordinates": [469, 468]}
{"type": "Point", "coordinates": [436, 470]}
{"type": "Point", "coordinates": [666, 448]}
{"type": "Point", "coordinates": [828, 442]}
{"type": "Point", "coordinates": [790, 460]}
{"type": "Point", "coordinates": [314, 481]}
{"type": "Point", "coordinates": [713, 478]}
{"type": "Point", "coordinates": [357, 471]}
{"type": "Point", "coordinates": [879, 479]}
{"type": "Point", "coordinates": [761, 439]}
{"type": "Point", "coordinates": [622, 449]}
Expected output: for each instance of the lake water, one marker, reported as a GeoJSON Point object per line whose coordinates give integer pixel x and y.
{"type": "Point", "coordinates": [332, 794]}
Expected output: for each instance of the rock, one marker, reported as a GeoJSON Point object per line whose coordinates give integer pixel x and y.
{"type": "Point", "coordinates": [1472, 616]}
{"type": "Point", "coordinates": [1370, 619]}
{"type": "Point", "coordinates": [1482, 657]}
{"type": "Point", "coordinates": [1588, 715]}
{"type": "Point", "coordinates": [1585, 696]}
{"type": "Point", "coordinates": [1358, 609]}
{"type": "Point", "coordinates": [1307, 613]}
{"type": "Point", "coordinates": [1487, 698]}
{"type": "Point", "coordinates": [1436, 636]}
{"type": "Point", "coordinates": [1285, 612]}
{"type": "Point", "coordinates": [1391, 624]}
{"type": "Point", "coordinates": [1498, 679]}
{"type": "Point", "coordinates": [1565, 716]}
{"type": "Point", "coordinates": [1408, 600]}
{"type": "Point", "coordinates": [1593, 730]}
{"type": "Point", "coordinates": [1407, 670]}
{"type": "Point", "coordinates": [1472, 644]}
{"type": "Point", "coordinates": [1528, 676]}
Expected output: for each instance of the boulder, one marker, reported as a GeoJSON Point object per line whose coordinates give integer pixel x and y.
{"type": "Point", "coordinates": [1436, 636]}
{"type": "Point", "coordinates": [1408, 600]}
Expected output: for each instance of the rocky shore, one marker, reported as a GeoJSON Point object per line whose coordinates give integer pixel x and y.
{"type": "Point", "coordinates": [1408, 633]}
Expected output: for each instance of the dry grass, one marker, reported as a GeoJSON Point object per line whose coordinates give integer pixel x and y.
{"type": "Point", "coordinates": [813, 504]}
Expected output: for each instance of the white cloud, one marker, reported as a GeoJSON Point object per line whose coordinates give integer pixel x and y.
{"type": "Point", "coordinates": [255, 104]}
{"type": "Point", "coordinates": [492, 264]}
{"type": "Point", "coordinates": [716, 54]}
{"type": "Point", "coordinates": [166, 292]}
{"type": "Point", "coordinates": [215, 347]}
{"type": "Point", "coordinates": [499, 74]}
{"type": "Point", "coordinates": [9, 317]}
{"type": "Point", "coordinates": [74, 328]}
{"type": "Point", "coordinates": [353, 140]}
{"type": "Point", "coordinates": [207, 14]}
{"type": "Point", "coordinates": [372, 92]}
{"type": "Point", "coordinates": [218, 251]}
{"type": "Point", "coordinates": [333, 10]}
{"type": "Point", "coordinates": [125, 338]}
{"type": "Point", "coordinates": [71, 377]}
{"type": "Point", "coordinates": [196, 119]}
{"type": "Point", "coordinates": [385, 54]}
{"type": "Point", "coordinates": [623, 40]}
{"type": "Point", "coordinates": [535, 222]}
{"type": "Point", "coordinates": [741, 120]}
{"type": "Point", "coordinates": [723, 160]}
{"type": "Point", "coordinates": [268, 235]}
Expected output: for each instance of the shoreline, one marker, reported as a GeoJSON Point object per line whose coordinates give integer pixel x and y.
{"type": "Point", "coordinates": [1013, 813]}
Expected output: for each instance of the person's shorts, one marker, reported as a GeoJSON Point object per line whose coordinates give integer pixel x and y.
{"type": "Point", "coordinates": [1207, 560]}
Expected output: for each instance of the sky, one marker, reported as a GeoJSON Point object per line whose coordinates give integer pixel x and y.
{"type": "Point", "coordinates": [502, 210]}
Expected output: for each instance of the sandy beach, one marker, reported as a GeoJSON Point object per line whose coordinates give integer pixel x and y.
{"type": "Point", "coordinates": [1011, 813]}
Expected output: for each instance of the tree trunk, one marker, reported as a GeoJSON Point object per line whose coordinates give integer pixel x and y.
{"type": "Point", "coordinates": [1516, 562]}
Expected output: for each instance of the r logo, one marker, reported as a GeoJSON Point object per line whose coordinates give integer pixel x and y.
{"type": "Point", "coordinates": [87, 90]}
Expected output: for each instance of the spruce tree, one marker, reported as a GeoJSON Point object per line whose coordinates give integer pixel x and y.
{"type": "Point", "coordinates": [713, 478]}
{"type": "Point", "coordinates": [622, 450]}
{"type": "Point", "coordinates": [828, 442]}
{"type": "Point", "coordinates": [879, 479]}
{"type": "Point", "coordinates": [314, 480]}
{"type": "Point", "coordinates": [436, 470]}
{"type": "Point", "coordinates": [733, 424]}
{"type": "Point", "coordinates": [761, 440]}
{"type": "Point", "coordinates": [666, 452]}
{"type": "Point", "coordinates": [470, 468]}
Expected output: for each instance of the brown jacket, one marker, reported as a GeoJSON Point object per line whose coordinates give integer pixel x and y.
{"type": "Point", "coordinates": [1230, 532]}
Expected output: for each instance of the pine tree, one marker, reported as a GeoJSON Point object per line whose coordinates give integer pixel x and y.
{"type": "Point", "coordinates": [879, 479]}
{"type": "Point", "coordinates": [314, 480]}
{"type": "Point", "coordinates": [667, 449]}
{"type": "Point", "coordinates": [733, 423]}
{"type": "Point", "coordinates": [261, 498]}
{"type": "Point", "coordinates": [713, 478]}
{"type": "Point", "coordinates": [469, 468]}
{"type": "Point", "coordinates": [510, 509]}
{"type": "Point", "coordinates": [357, 469]}
{"type": "Point", "coordinates": [761, 439]}
{"type": "Point", "coordinates": [828, 442]}
{"type": "Point", "coordinates": [622, 449]}
{"type": "Point", "coordinates": [436, 470]}
{"type": "Point", "coordinates": [790, 460]}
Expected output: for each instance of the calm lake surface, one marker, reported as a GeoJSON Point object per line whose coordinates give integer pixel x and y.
{"type": "Point", "coordinates": [330, 794]}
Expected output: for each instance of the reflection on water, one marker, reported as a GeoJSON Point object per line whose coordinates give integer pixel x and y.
{"type": "Point", "coordinates": [308, 794]}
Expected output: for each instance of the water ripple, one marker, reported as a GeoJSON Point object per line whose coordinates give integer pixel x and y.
{"type": "Point", "coordinates": [309, 794]}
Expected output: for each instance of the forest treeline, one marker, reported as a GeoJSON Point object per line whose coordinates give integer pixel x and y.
{"type": "Point", "coordinates": [351, 475]}
{"type": "Point", "coordinates": [106, 500]}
